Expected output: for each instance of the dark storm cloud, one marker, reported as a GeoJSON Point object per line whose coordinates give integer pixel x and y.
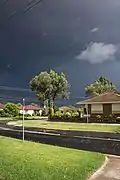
{"type": "Point", "coordinates": [52, 34]}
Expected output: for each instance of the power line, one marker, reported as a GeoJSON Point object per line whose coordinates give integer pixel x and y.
{"type": "Point", "coordinates": [23, 9]}
{"type": "Point", "coordinates": [29, 6]}
{"type": "Point", "coordinates": [32, 6]}
{"type": "Point", "coordinates": [4, 2]}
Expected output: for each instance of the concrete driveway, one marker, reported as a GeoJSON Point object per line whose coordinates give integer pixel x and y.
{"type": "Point", "coordinates": [109, 171]}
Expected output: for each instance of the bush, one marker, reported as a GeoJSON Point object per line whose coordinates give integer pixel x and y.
{"type": "Point", "coordinates": [45, 112]}
{"type": "Point", "coordinates": [37, 114]}
{"type": "Point", "coordinates": [56, 109]}
{"type": "Point", "coordinates": [75, 114]}
{"type": "Point", "coordinates": [58, 114]}
{"type": "Point", "coordinates": [11, 109]}
{"type": "Point", "coordinates": [51, 112]}
{"type": "Point", "coordinates": [4, 114]}
{"type": "Point", "coordinates": [27, 115]}
{"type": "Point", "coordinates": [98, 116]}
{"type": "Point", "coordinates": [68, 114]}
{"type": "Point", "coordinates": [81, 110]}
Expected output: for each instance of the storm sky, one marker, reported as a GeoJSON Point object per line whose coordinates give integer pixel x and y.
{"type": "Point", "coordinates": [79, 37]}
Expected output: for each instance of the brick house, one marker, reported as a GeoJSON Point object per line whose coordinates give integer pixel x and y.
{"type": "Point", "coordinates": [30, 109]}
{"type": "Point", "coordinates": [67, 108]}
{"type": "Point", "coordinates": [107, 105]}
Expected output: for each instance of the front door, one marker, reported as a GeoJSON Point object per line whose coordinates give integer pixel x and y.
{"type": "Point", "coordinates": [89, 108]}
{"type": "Point", "coordinates": [107, 109]}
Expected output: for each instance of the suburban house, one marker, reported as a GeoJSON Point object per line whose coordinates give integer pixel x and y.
{"type": "Point", "coordinates": [107, 105]}
{"type": "Point", "coordinates": [67, 108]}
{"type": "Point", "coordinates": [30, 109]}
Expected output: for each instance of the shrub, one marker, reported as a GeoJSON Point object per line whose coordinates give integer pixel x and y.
{"type": "Point", "coordinates": [51, 112]}
{"type": "Point", "coordinates": [4, 114]}
{"type": "Point", "coordinates": [27, 115]}
{"type": "Point", "coordinates": [98, 116]}
{"type": "Point", "coordinates": [11, 109]}
{"type": "Point", "coordinates": [68, 114]}
{"type": "Point", "coordinates": [45, 112]}
{"type": "Point", "coordinates": [56, 109]}
{"type": "Point", "coordinates": [37, 114]}
{"type": "Point", "coordinates": [81, 110]}
{"type": "Point", "coordinates": [75, 114]}
{"type": "Point", "coordinates": [58, 114]}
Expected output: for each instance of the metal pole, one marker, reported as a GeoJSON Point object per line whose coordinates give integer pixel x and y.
{"type": "Point", "coordinates": [87, 113]}
{"type": "Point", "coordinates": [23, 119]}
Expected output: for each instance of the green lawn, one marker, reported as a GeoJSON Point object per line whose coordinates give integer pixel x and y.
{"type": "Point", "coordinates": [20, 117]}
{"type": "Point", "coordinates": [30, 118]}
{"type": "Point", "coordinates": [5, 118]}
{"type": "Point", "coordinates": [72, 126]}
{"type": "Point", "coordinates": [34, 161]}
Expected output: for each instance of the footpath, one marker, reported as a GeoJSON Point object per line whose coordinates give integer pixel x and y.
{"type": "Point", "coordinates": [110, 170]}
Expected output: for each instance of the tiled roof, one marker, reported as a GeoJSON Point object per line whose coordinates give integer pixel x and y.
{"type": "Point", "coordinates": [67, 108]}
{"type": "Point", "coordinates": [109, 97]}
{"type": "Point", "coordinates": [30, 107]}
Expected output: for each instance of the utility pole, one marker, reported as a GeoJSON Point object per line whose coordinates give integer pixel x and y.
{"type": "Point", "coordinates": [87, 114]}
{"type": "Point", "coordinates": [23, 119]}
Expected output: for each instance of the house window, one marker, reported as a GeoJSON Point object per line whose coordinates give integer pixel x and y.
{"type": "Point", "coordinates": [96, 108]}
{"type": "Point", "coordinates": [116, 108]}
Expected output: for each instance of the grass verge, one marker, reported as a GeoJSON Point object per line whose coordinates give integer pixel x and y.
{"type": "Point", "coordinates": [71, 126]}
{"type": "Point", "coordinates": [34, 161]}
{"type": "Point", "coordinates": [6, 118]}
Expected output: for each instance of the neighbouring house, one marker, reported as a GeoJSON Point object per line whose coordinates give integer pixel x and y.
{"type": "Point", "coordinates": [30, 109]}
{"type": "Point", "coordinates": [1, 106]}
{"type": "Point", "coordinates": [67, 108]}
{"type": "Point", "coordinates": [106, 104]}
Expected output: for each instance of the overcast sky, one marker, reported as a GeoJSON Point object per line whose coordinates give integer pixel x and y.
{"type": "Point", "coordinates": [80, 38]}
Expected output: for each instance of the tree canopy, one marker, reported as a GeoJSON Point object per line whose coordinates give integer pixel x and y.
{"type": "Point", "coordinates": [11, 109]}
{"type": "Point", "coordinates": [100, 86]}
{"type": "Point", "coordinates": [50, 86]}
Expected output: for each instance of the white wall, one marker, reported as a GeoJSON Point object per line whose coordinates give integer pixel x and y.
{"type": "Point", "coordinates": [116, 108]}
{"type": "Point", "coordinates": [40, 112]}
{"type": "Point", "coordinates": [31, 112]}
{"type": "Point", "coordinates": [96, 108]}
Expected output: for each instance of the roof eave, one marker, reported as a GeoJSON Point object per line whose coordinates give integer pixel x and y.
{"type": "Point", "coordinates": [110, 102]}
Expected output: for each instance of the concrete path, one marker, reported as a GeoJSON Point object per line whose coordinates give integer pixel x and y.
{"type": "Point", "coordinates": [109, 171]}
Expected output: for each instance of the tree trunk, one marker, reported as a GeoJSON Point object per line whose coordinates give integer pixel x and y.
{"type": "Point", "coordinates": [49, 102]}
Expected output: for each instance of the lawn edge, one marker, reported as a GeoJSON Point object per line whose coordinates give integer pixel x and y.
{"type": "Point", "coordinates": [99, 171]}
